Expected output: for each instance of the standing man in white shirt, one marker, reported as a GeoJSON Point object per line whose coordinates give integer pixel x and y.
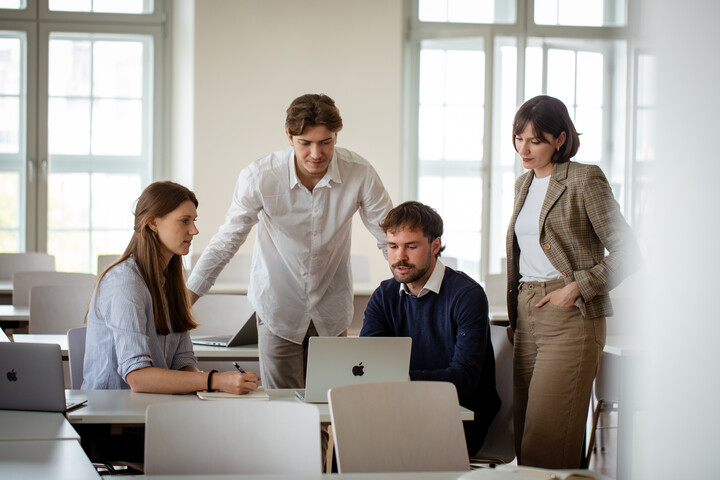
{"type": "Point", "coordinates": [303, 199]}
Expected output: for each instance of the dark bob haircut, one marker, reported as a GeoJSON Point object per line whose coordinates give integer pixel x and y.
{"type": "Point", "coordinates": [548, 115]}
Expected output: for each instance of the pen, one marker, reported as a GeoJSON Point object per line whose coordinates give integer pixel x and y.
{"type": "Point", "coordinates": [238, 367]}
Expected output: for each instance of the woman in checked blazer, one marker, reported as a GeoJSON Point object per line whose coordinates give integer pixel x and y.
{"type": "Point", "coordinates": [559, 276]}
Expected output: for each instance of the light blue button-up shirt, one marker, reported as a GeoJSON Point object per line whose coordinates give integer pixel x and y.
{"type": "Point", "coordinates": [121, 334]}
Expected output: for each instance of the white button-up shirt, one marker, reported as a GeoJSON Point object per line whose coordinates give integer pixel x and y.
{"type": "Point", "coordinates": [301, 261]}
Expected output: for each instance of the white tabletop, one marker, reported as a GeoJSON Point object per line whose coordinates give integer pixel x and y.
{"type": "Point", "coordinates": [6, 287]}
{"type": "Point", "coordinates": [126, 407]}
{"type": "Point", "coordinates": [22, 425]}
{"type": "Point", "coordinates": [319, 476]}
{"type": "Point", "coordinates": [623, 345]}
{"type": "Point", "coordinates": [241, 288]}
{"type": "Point", "coordinates": [44, 459]}
{"type": "Point", "coordinates": [11, 312]}
{"type": "Point", "coordinates": [202, 352]}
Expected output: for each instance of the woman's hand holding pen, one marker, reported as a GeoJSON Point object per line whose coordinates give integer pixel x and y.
{"type": "Point", "coordinates": [235, 382]}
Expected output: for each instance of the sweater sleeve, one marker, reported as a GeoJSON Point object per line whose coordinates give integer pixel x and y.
{"type": "Point", "coordinates": [469, 310]}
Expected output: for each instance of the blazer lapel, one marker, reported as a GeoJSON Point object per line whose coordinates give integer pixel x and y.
{"type": "Point", "coordinates": [556, 187]}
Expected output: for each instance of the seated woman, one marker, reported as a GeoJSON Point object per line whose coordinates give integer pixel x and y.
{"type": "Point", "coordinates": [140, 314]}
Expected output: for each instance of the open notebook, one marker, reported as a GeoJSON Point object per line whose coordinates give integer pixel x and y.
{"type": "Point", "coordinates": [259, 394]}
{"type": "Point", "coordinates": [32, 378]}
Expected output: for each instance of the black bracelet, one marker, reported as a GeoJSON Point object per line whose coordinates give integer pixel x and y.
{"type": "Point", "coordinates": [209, 389]}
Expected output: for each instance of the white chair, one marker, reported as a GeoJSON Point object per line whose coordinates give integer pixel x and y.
{"type": "Point", "coordinates": [232, 437]}
{"type": "Point", "coordinates": [76, 355]}
{"type": "Point", "coordinates": [606, 391]}
{"type": "Point", "coordinates": [360, 265]}
{"type": "Point", "coordinates": [24, 281]}
{"type": "Point", "coordinates": [499, 445]}
{"type": "Point", "coordinates": [398, 427]}
{"type": "Point", "coordinates": [237, 269]}
{"type": "Point", "coordinates": [54, 309]}
{"type": "Point", "coordinates": [24, 262]}
{"type": "Point", "coordinates": [105, 260]}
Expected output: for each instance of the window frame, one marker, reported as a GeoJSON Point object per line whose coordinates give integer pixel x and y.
{"type": "Point", "coordinates": [38, 22]}
{"type": "Point", "coordinates": [521, 31]}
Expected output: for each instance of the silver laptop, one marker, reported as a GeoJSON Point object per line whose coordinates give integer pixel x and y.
{"type": "Point", "coordinates": [338, 361]}
{"type": "Point", "coordinates": [32, 378]}
{"type": "Point", "coordinates": [247, 335]}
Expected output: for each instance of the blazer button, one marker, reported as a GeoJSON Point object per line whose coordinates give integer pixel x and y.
{"type": "Point", "coordinates": [564, 274]}
{"type": "Point", "coordinates": [546, 246]}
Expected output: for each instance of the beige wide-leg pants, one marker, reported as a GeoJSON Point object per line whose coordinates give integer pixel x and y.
{"type": "Point", "coordinates": [556, 357]}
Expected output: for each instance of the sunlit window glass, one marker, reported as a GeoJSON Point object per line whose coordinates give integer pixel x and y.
{"type": "Point", "coordinates": [450, 146]}
{"type": "Point", "coordinates": [587, 13]}
{"type": "Point", "coordinates": [102, 6]}
{"type": "Point", "coordinates": [13, 104]}
{"type": "Point", "coordinates": [467, 11]}
{"type": "Point", "coordinates": [99, 110]}
{"type": "Point", "coordinates": [13, 4]}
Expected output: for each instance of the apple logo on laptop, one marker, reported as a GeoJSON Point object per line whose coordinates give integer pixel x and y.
{"type": "Point", "coordinates": [12, 375]}
{"type": "Point", "coordinates": [358, 370]}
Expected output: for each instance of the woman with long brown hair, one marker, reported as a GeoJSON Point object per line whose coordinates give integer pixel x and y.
{"type": "Point", "coordinates": [140, 315]}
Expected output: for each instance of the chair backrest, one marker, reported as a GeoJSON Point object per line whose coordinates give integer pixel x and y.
{"type": "Point", "coordinates": [360, 265]}
{"type": "Point", "coordinates": [499, 445]}
{"type": "Point", "coordinates": [105, 260]}
{"type": "Point", "coordinates": [496, 291]}
{"type": "Point", "coordinates": [24, 281]}
{"type": "Point", "coordinates": [221, 314]}
{"type": "Point", "coordinates": [232, 436]}
{"type": "Point", "coordinates": [607, 381]}
{"type": "Point", "coordinates": [24, 262]}
{"type": "Point", "coordinates": [236, 270]}
{"type": "Point", "coordinates": [76, 355]}
{"type": "Point", "coordinates": [54, 309]}
{"type": "Point", "coordinates": [398, 427]}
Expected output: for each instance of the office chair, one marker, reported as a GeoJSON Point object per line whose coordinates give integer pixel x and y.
{"type": "Point", "coordinates": [398, 427]}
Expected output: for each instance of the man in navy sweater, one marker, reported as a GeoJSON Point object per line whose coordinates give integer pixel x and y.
{"type": "Point", "coordinates": [444, 311]}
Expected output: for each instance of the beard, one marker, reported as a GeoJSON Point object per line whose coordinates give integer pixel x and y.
{"type": "Point", "coordinates": [412, 276]}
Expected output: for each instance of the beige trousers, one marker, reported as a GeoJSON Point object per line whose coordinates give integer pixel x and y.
{"type": "Point", "coordinates": [556, 357]}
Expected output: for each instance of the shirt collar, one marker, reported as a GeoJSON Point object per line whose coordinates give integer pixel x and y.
{"type": "Point", "coordinates": [433, 283]}
{"type": "Point", "coordinates": [333, 173]}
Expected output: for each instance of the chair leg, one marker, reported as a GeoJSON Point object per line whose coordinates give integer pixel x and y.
{"type": "Point", "coordinates": [591, 443]}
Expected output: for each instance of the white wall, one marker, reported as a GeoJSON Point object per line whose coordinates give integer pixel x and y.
{"type": "Point", "coordinates": [253, 57]}
{"type": "Point", "coordinates": [677, 427]}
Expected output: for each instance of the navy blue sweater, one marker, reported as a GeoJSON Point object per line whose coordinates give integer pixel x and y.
{"type": "Point", "coordinates": [450, 341]}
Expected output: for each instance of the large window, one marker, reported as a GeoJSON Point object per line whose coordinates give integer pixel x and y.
{"type": "Point", "coordinates": [473, 70]}
{"type": "Point", "coordinates": [79, 134]}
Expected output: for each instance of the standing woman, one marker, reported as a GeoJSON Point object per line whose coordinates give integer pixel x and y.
{"type": "Point", "coordinates": [559, 276]}
{"type": "Point", "coordinates": [139, 316]}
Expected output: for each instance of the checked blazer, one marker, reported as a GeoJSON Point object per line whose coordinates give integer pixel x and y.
{"type": "Point", "coordinates": [579, 221]}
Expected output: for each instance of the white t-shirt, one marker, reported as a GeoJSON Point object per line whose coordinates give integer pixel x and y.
{"type": "Point", "coordinates": [534, 264]}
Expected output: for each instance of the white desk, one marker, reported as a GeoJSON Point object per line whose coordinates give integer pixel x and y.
{"type": "Point", "coordinates": [6, 287]}
{"type": "Point", "coordinates": [21, 425]}
{"type": "Point", "coordinates": [126, 407]}
{"type": "Point", "coordinates": [325, 476]}
{"type": "Point", "coordinates": [43, 459]}
{"type": "Point", "coordinates": [13, 313]}
{"type": "Point", "coordinates": [202, 352]}
{"type": "Point", "coordinates": [241, 288]}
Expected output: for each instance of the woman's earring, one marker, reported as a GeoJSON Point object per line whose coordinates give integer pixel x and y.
{"type": "Point", "coordinates": [558, 148]}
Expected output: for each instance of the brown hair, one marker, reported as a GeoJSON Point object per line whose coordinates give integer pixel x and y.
{"type": "Point", "coordinates": [311, 110]}
{"type": "Point", "coordinates": [415, 216]}
{"type": "Point", "coordinates": [157, 200]}
{"type": "Point", "coordinates": [548, 115]}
